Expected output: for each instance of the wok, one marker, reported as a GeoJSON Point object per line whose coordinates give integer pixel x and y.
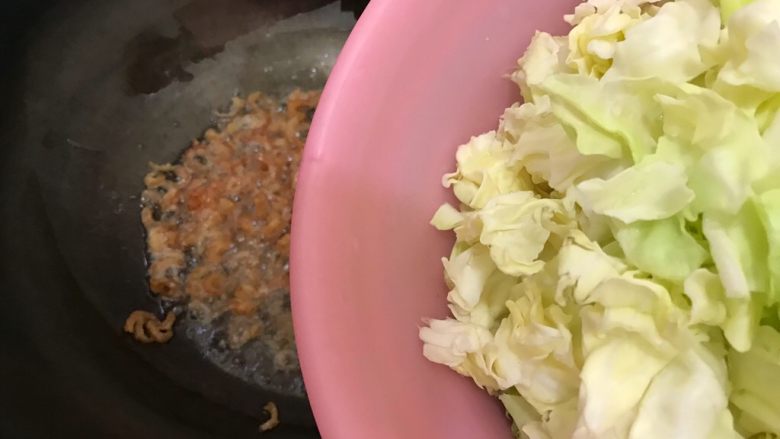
{"type": "Point", "coordinates": [92, 91]}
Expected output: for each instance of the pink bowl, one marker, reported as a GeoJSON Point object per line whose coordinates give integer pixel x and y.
{"type": "Point", "coordinates": [415, 80]}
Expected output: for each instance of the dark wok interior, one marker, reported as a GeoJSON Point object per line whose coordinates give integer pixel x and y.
{"type": "Point", "coordinates": [93, 90]}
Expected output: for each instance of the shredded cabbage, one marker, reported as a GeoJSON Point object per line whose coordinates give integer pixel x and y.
{"type": "Point", "coordinates": [616, 269]}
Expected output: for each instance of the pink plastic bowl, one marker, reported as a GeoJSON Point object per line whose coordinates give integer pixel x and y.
{"type": "Point", "coordinates": [415, 79]}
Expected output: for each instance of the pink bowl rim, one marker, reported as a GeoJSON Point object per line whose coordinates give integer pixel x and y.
{"type": "Point", "coordinates": [359, 40]}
